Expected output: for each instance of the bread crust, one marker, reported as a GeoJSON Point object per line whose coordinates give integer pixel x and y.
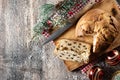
{"type": "Point", "coordinates": [99, 24]}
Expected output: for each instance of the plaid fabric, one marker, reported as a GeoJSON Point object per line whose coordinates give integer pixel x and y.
{"type": "Point", "coordinates": [97, 0]}
{"type": "Point", "coordinates": [77, 8]}
{"type": "Point", "coordinates": [80, 6]}
{"type": "Point", "coordinates": [86, 68]}
{"type": "Point", "coordinates": [46, 34]}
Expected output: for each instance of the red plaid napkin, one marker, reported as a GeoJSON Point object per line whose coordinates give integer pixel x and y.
{"type": "Point", "coordinates": [46, 34]}
{"type": "Point", "coordinates": [86, 68]}
{"type": "Point", "coordinates": [78, 7]}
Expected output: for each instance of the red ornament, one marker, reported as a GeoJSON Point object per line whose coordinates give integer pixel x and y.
{"type": "Point", "coordinates": [113, 57]}
{"type": "Point", "coordinates": [95, 73]}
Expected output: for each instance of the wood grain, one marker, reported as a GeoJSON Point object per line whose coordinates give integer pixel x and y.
{"type": "Point", "coordinates": [17, 18]}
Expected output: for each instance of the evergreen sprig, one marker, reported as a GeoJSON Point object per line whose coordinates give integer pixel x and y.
{"type": "Point", "coordinates": [45, 11]}
{"type": "Point", "coordinates": [57, 14]}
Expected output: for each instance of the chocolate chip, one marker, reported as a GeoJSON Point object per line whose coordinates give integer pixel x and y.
{"type": "Point", "coordinates": [60, 56]}
{"type": "Point", "coordinates": [71, 57]}
{"type": "Point", "coordinates": [65, 48]}
{"type": "Point", "coordinates": [73, 46]}
{"type": "Point", "coordinates": [66, 57]}
{"type": "Point", "coordinates": [69, 44]}
{"type": "Point", "coordinates": [84, 51]}
{"type": "Point", "coordinates": [87, 32]}
{"type": "Point", "coordinates": [65, 41]}
{"type": "Point", "coordinates": [72, 50]}
{"type": "Point", "coordinates": [61, 45]}
{"type": "Point", "coordinates": [76, 61]}
{"type": "Point", "coordinates": [78, 46]}
{"type": "Point", "coordinates": [85, 48]}
{"type": "Point", "coordinates": [83, 45]}
{"type": "Point", "coordinates": [76, 51]}
{"type": "Point", "coordinates": [74, 55]}
{"type": "Point", "coordinates": [74, 42]}
{"type": "Point", "coordinates": [57, 48]}
{"type": "Point", "coordinates": [62, 53]}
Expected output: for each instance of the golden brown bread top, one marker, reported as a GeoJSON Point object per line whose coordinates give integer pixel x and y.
{"type": "Point", "coordinates": [99, 24]}
{"type": "Point", "coordinates": [92, 21]}
{"type": "Point", "coordinates": [85, 25]}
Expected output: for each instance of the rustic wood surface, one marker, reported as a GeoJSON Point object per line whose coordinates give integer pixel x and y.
{"type": "Point", "coordinates": [17, 18]}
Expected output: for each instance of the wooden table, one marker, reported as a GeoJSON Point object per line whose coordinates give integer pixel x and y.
{"type": "Point", "coordinates": [17, 18]}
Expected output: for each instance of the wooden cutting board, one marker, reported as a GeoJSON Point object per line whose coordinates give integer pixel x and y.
{"type": "Point", "coordinates": [107, 5]}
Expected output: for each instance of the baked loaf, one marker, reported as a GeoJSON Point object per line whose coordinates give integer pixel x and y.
{"type": "Point", "coordinates": [106, 5]}
{"type": "Point", "coordinates": [99, 24]}
{"type": "Point", "coordinates": [71, 50]}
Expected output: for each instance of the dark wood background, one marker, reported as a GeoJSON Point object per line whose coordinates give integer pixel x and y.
{"type": "Point", "coordinates": [17, 18]}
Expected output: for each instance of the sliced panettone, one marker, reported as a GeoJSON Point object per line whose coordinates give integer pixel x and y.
{"type": "Point", "coordinates": [71, 50]}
